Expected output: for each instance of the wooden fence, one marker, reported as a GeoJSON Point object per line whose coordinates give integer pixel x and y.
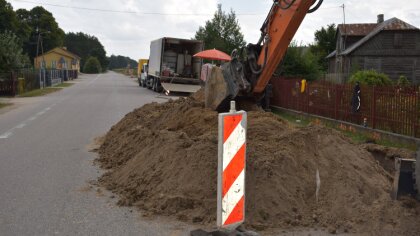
{"type": "Point", "coordinates": [33, 79]}
{"type": "Point", "coordinates": [393, 109]}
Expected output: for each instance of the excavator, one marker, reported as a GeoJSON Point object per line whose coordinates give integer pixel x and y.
{"type": "Point", "coordinates": [246, 77]}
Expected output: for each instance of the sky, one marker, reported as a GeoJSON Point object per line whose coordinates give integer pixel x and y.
{"type": "Point", "coordinates": [127, 26]}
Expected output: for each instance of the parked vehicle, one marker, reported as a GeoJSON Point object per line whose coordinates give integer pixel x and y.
{"type": "Point", "coordinates": [141, 70]}
{"type": "Point", "coordinates": [143, 75]}
{"type": "Point", "coordinates": [172, 67]}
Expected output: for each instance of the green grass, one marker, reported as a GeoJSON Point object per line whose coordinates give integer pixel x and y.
{"type": "Point", "coordinates": [298, 120]}
{"type": "Point", "coordinates": [64, 85]}
{"type": "Point", "coordinates": [356, 137]}
{"type": "Point", "coordinates": [2, 105]}
{"type": "Point", "coordinates": [40, 92]}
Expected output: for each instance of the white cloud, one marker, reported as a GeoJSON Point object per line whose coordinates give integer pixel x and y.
{"type": "Point", "coordinates": [130, 34]}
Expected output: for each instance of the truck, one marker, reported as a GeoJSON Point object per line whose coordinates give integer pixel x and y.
{"type": "Point", "coordinates": [172, 67]}
{"type": "Point", "coordinates": [141, 70]}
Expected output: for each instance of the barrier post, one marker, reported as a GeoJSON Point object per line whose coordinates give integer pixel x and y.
{"type": "Point", "coordinates": [231, 169]}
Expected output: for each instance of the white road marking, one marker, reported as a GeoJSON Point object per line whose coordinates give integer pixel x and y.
{"type": "Point", "coordinates": [20, 126]}
{"type": "Point", "coordinates": [9, 133]}
{"type": "Point", "coordinates": [5, 135]}
{"type": "Point", "coordinates": [91, 82]}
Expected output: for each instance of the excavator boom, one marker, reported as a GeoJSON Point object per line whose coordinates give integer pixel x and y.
{"type": "Point", "coordinates": [278, 31]}
{"type": "Point", "coordinates": [251, 68]}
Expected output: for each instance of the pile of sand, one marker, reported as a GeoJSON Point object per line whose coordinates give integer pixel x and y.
{"type": "Point", "coordinates": [162, 158]}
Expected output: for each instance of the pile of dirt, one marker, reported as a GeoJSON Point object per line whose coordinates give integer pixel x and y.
{"type": "Point", "coordinates": [162, 158]}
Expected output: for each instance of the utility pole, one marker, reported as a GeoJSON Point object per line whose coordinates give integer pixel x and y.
{"type": "Point", "coordinates": [343, 38]}
{"type": "Point", "coordinates": [42, 72]}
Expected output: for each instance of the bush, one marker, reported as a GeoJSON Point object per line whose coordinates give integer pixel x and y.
{"type": "Point", "coordinates": [92, 66]}
{"type": "Point", "coordinates": [403, 81]}
{"type": "Point", "coordinates": [299, 62]}
{"type": "Point", "coordinates": [370, 77]}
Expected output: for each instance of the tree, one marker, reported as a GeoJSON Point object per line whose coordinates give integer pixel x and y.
{"type": "Point", "coordinates": [40, 22]}
{"type": "Point", "coordinates": [8, 20]}
{"type": "Point", "coordinates": [325, 43]}
{"type": "Point", "coordinates": [299, 62]}
{"type": "Point", "coordinates": [222, 32]}
{"type": "Point", "coordinates": [11, 56]}
{"type": "Point", "coordinates": [117, 62]}
{"type": "Point", "coordinates": [92, 66]}
{"type": "Point", "coordinates": [86, 46]}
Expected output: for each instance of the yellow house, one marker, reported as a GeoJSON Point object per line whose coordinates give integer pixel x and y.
{"type": "Point", "coordinates": [58, 58]}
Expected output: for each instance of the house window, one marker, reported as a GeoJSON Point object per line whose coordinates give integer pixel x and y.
{"type": "Point", "coordinates": [398, 40]}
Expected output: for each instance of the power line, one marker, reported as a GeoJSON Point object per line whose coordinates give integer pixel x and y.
{"type": "Point", "coordinates": [74, 7]}
{"type": "Point", "coordinates": [128, 12]}
{"type": "Point", "coordinates": [142, 13]}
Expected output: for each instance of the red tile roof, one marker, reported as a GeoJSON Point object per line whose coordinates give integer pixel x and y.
{"type": "Point", "coordinates": [356, 29]}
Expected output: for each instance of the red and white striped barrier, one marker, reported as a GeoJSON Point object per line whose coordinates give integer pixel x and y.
{"type": "Point", "coordinates": [231, 169]}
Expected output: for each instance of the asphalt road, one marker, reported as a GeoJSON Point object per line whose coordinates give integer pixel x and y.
{"type": "Point", "coordinates": [45, 166]}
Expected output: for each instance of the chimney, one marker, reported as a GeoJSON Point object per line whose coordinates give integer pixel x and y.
{"type": "Point", "coordinates": [380, 18]}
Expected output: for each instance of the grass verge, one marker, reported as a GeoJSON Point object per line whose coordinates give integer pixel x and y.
{"type": "Point", "coordinates": [64, 85]}
{"type": "Point", "coordinates": [40, 92]}
{"type": "Point", "coordinates": [356, 137]}
{"type": "Point", "coordinates": [2, 105]}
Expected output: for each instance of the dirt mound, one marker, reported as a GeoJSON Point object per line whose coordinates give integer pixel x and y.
{"type": "Point", "coordinates": [162, 158]}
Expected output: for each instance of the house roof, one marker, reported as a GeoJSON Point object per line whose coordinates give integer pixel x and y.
{"type": "Point", "coordinates": [356, 29]}
{"type": "Point", "coordinates": [391, 24]}
{"type": "Point", "coordinates": [62, 51]}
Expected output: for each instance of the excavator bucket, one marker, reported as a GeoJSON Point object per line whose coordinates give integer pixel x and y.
{"type": "Point", "coordinates": [216, 89]}
{"type": "Point", "coordinates": [224, 84]}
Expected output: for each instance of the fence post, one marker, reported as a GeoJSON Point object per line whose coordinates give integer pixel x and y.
{"type": "Point", "coordinates": [417, 116]}
{"type": "Point", "coordinates": [12, 76]}
{"type": "Point", "coordinates": [336, 102]}
{"type": "Point", "coordinates": [374, 108]}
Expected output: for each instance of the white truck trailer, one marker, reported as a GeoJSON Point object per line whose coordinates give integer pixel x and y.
{"type": "Point", "coordinates": [172, 67]}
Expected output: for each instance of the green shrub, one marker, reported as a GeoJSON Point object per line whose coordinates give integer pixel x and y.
{"type": "Point", "coordinates": [403, 81]}
{"type": "Point", "coordinates": [92, 66]}
{"type": "Point", "coordinates": [299, 62]}
{"type": "Point", "coordinates": [370, 77]}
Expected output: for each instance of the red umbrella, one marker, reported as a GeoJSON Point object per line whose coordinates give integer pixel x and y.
{"type": "Point", "coordinates": [213, 54]}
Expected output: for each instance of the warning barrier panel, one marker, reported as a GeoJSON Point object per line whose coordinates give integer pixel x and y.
{"type": "Point", "coordinates": [231, 169]}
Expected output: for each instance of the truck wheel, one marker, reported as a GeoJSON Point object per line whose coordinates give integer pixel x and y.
{"type": "Point", "coordinates": [155, 85]}
{"type": "Point", "coordinates": [159, 88]}
{"type": "Point", "coordinates": [150, 83]}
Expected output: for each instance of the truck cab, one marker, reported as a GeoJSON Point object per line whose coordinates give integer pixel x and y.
{"type": "Point", "coordinates": [143, 75]}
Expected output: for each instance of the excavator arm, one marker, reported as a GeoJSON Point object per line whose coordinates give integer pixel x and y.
{"type": "Point", "coordinates": [251, 68]}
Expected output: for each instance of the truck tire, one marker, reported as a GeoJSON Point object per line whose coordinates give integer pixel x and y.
{"type": "Point", "coordinates": [149, 82]}
{"type": "Point", "coordinates": [154, 84]}
{"type": "Point", "coordinates": [159, 88]}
